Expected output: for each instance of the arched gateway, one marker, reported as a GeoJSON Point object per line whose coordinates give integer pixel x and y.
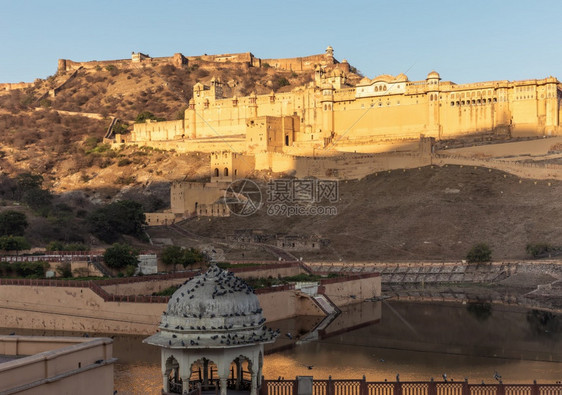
{"type": "Point", "coordinates": [212, 334]}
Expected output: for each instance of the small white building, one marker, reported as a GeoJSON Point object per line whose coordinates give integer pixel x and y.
{"type": "Point", "coordinates": [212, 334]}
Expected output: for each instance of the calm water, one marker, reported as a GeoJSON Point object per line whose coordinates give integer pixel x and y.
{"type": "Point", "coordinates": [418, 341]}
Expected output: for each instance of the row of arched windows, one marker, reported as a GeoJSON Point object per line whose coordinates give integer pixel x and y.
{"type": "Point", "coordinates": [216, 172]}
{"type": "Point", "coordinates": [473, 102]}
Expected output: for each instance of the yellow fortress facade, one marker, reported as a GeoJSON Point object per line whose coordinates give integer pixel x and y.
{"type": "Point", "coordinates": [309, 130]}
{"type": "Point", "coordinates": [330, 113]}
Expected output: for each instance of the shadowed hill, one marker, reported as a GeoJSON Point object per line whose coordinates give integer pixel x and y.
{"type": "Point", "coordinates": [432, 213]}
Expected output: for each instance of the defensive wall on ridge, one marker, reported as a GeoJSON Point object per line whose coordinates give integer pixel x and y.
{"type": "Point", "coordinates": [178, 59]}
{"type": "Point", "coordinates": [9, 86]}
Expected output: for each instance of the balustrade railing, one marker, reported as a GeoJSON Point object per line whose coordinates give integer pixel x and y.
{"type": "Point", "coordinates": [363, 387]}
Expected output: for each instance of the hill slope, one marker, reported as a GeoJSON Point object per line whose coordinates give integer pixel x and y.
{"type": "Point", "coordinates": [432, 213]}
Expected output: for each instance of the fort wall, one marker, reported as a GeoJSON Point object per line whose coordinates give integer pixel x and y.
{"type": "Point", "coordinates": [537, 171]}
{"type": "Point", "coordinates": [178, 59]}
{"type": "Point", "coordinates": [159, 131]}
{"type": "Point", "coordinates": [82, 310]}
{"type": "Point", "coordinates": [87, 307]}
{"type": "Point", "coordinates": [10, 86]}
{"type": "Point", "coordinates": [159, 219]}
{"type": "Point", "coordinates": [343, 292]}
{"type": "Point", "coordinates": [187, 145]}
{"type": "Point", "coordinates": [385, 109]}
{"type": "Point", "coordinates": [347, 166]}
{"type": "Point", "coordinates": [300, 63]}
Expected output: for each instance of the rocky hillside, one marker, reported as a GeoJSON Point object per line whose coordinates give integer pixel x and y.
{"type": "Point", "coordinates": [61, 138]}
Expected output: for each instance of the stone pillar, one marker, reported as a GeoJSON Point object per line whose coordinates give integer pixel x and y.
{"type": "Point", "coordinates": [238, 374]}
{"type": "Point", "coordinates": [304, 385]}
{"type": "Point", "coordinates": [205, 372]}
{"type": "Point", "coordinates": [223, 385]}
{"type": "Point", "coordinates": [165, 382]}
{"type": "Point", "coordinates": [254, 384]}
{"type": "Point", "coordinates": [185, 384]}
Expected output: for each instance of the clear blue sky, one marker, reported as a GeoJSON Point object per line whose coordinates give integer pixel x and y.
{"type": "Point", "coordinates": [465, 41]}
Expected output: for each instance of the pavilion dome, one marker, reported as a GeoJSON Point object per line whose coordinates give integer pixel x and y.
{"type": "Point", "coordinates": [213, 309]}
{"type": "Point", "coordinates": [215, 294]}
{"type": "Point", "coordinates": [433, 74]}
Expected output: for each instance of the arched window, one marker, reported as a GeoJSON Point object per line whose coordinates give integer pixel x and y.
{"type": "Point", "coordinates": [216, 172]}
{"type": "Point", "coordinates": [226, 171]}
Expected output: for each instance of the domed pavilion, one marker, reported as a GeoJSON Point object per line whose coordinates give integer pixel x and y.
{"type": "Point", "coordinates": [212, 334]}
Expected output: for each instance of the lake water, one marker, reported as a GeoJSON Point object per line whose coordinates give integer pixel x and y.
{"type": "Point", "coordinates": [380, 340]}
{"type": "Point", "coordinates": [416, 340]}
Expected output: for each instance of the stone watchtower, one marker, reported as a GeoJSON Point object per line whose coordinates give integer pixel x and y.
{"type": "Point", "coordinates": [211, 334]}
{"type": "Point", "coordinates": [432, 85]}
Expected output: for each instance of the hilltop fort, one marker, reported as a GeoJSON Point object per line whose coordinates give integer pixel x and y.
{"type": "Point", "coordinates": [336, 126]}
{"type": "Point", "coordinates": [324, 121]}
{"type": "Point", "coordinates": [332, 113]}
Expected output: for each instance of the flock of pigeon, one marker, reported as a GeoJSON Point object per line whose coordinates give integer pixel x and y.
{"type": "Point", "coordinates": [263, 335]}
{"type": "Point", "coordinates": [223, 283]}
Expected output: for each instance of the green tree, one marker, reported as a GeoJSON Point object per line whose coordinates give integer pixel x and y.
{"type": "Point", "coordinates": [31, 269]}
{"type": "Point", "coordinates": [119, 256]}
{"type": "Point", "coordinates": [143, 116]}
{"type": "Point", "coordinates": [479, 253]}
{"type": "Point", "coordinates": [59, 246]}
{"type": "Point", "coordinates": [14, 243]}
{"type": "Point", "coordinates": [538, 249]}
{"type": "Point", "coordinates": [39, 200]}
{"type": "Point", "coordinates": [172, 255]}
{"type": "Point", "coordinates": [192, 256]}
{"type": "Point", "coordinates": [55, 246]}
{"type": "Point", "coordinates": [64, 270]}
{"type": "Point", "coordinates": [76, 247]}
{"type": "Point", "coordinates": [175, 255]}
{"type": "Point", "coordinates": [121, 217]}
{"type": "Point", "coordinates": [28, 181]}
{"type": "Point", "coordinates": [282, 81]}
{"type": "Point", "coordinates": [12, 223]}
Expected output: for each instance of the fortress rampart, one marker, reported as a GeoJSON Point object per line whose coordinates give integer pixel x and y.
{"type": "Point", "coordinates": [178, 59]}
{"type": "Point", "coordinates": [8, 86]}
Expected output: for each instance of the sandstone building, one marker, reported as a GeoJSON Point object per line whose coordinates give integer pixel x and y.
{"type": "Point", "coordinates": [330, 113]}
{"type": "Point", "coordinates": [306, 130]}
